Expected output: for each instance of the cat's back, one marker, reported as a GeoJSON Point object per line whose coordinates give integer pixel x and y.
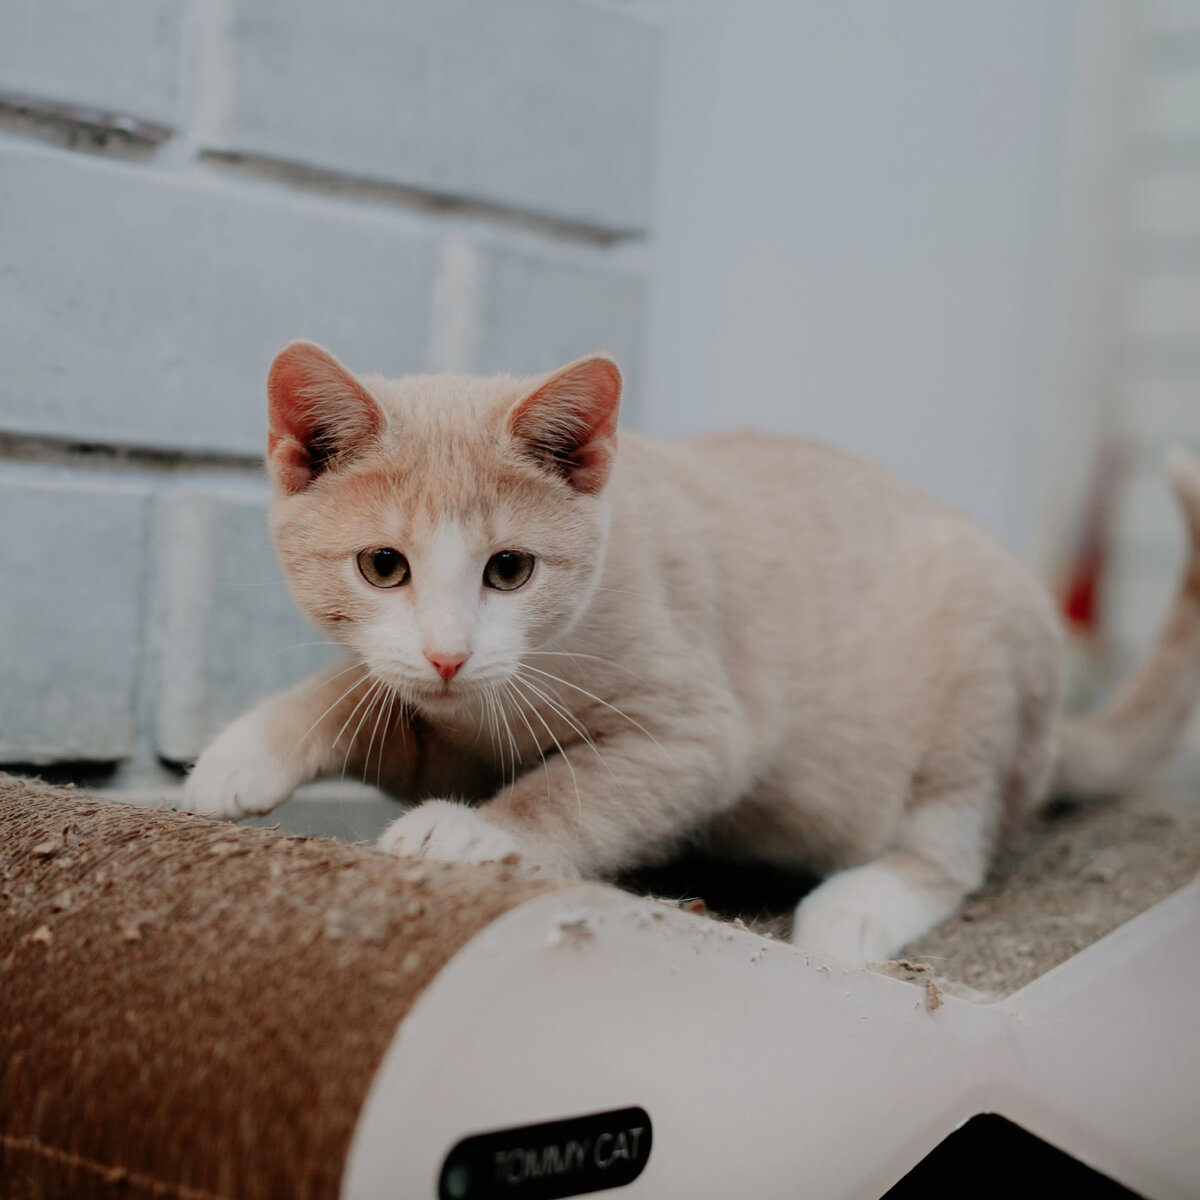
{"type": "Point", "coordinates": [831, 597]}
{"type": "Point", "coordinates": [793, 521]}
{"type": "Point", "coordinates": [785, 481]}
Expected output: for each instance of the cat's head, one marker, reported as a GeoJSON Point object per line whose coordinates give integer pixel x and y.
{"type": "Point", "coordinates": [440, 526]}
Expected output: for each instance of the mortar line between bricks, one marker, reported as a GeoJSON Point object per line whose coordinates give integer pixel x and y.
{"type": "Point", "coordinates": [122, 139]}
{"type": "Point", "coordinates": [337, 184]}
{"type": "Point", "coordinates": [76, 126]}
{"type": "Point", "coordinates": [101, 456]}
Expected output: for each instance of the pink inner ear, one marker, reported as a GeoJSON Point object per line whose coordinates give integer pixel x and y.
{"type": "Point", "coordinates": [317, 411]}
{"type": "Point", "coordinates": [291, 464]}
{"type": "Point", "coordinates": [570, 422]}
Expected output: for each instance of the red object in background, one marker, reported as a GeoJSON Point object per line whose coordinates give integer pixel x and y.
{"type": "Point", "coordinates": [1080, 596]}
{"type": "Point", "coordinates": [1081, 605]}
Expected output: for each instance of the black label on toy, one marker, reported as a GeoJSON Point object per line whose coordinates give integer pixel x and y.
{"type": "Point", "coordinates": [544, 1162]}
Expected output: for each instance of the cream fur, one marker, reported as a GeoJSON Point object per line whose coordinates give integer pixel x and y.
{"type": "Point", "coordinates": [759, 642]}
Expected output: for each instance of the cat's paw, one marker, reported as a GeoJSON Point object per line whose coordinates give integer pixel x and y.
{"type": "Point", "coordinates": [237, 776]}
{"type": "Point", "coordinates": [845, 936]}
{"type": "Point", "coordinates": [449, 832]}
{"type": "Point", "coordinates": [864, 915]}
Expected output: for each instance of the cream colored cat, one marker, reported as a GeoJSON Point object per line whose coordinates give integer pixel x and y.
{"type": "Point", "coordinates": [587, 658]}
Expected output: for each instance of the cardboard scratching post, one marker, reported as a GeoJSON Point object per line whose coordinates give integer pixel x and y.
{"type": "Point", "coordinates": [198, 1010]}
{"type": "Point", "coordinates": [195, 1009]}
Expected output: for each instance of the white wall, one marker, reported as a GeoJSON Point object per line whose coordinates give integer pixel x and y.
{"type": "Point", "coordinates": [856, 234]}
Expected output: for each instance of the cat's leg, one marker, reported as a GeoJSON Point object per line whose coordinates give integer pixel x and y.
{"type": "Point", "coordinates": [288, 739]}
{"type": "Point", "coordinates": [593, 809]}
{"type": "Point", "coordinates": [869, 913]}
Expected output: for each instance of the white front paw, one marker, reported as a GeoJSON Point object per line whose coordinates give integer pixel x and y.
{"type": "Point", "coordinates": [863, 915]}
{"type": "Point", "coordinates": [846, 936]}
{"type": "Point", "coordinates": [440, 829]}
{"type": "Point", "coordinates": [237, 775]}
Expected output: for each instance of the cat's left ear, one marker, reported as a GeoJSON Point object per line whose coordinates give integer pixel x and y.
{"type": "Point", "coordinates": [569, 422]}
{"type": "Point", "coordinates": [318, 415]}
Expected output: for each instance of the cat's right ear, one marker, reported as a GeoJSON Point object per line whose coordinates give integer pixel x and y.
{"type": "Point", "coordinates": [569, 423]}
{"type": "Point", "coordinates": [318, 415]}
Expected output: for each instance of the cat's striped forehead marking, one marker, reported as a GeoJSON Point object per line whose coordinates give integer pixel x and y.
{"type": "Point", "coordinates": [425, 485]}
{"type": "Point", "coordinates": [447, 453]}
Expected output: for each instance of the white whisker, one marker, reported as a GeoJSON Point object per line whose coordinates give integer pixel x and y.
{"type": "Point", "coordinates": [353, 685]}
{"type": "Point", "coordinates": [507, 686]}
{"type": "Point", "coordinates": [364, 700]}
{"type": "Point", "coordinates": [479, 724]}
{"type": "Point", "coordinates": [573, 721]}
{"type": "Point", "coordinates": [611, 707]}
{"type": "Point", "coordinates": [375, 692]}
{"type": "Point", "coordinates": [612, 662]}
{"type": "Point", "coordinates": [407, 715]}
{"type": "Point", "coordinates": [493, 725]}
{"type": "Point", "coordinates": [387, 728]}
{"type": "Point", "coordinates": [625, 592]}
{"type": "Point", "coordinates": [322, 680]}
{"type": "Point", "coordinates": [358, 704]}
{"type": "Point", "coordinates": [512, 741]}
{"type": "Point", "coordinates": [562, 754]}
{"type": "Point", "coordinates": [387, 696]}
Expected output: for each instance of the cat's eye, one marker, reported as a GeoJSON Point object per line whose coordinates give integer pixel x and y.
{"type": "Point", "coordinates": [385, 568]}
{"type": "Point", "coordinates": [508, 570]}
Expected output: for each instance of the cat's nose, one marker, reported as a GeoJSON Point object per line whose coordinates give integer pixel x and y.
{"type": "Point", "coordinates": [446, 665]}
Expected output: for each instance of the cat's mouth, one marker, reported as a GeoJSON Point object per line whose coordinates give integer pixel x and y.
{"type": "Point", "coordinates": [418, 687]}
{"type": "Point", "coordinates": [446, 693]}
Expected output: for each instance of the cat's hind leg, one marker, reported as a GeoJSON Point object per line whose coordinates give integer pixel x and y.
{"type": "Point", "coordinates": [989, 767]}
{"type": "Point", "coordinates": [868, 913]}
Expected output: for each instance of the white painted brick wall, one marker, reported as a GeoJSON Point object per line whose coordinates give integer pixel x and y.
{"type": "Point", "coordinates": [143, 307]}
{"type": "Point", "coordinates": [1164, 408]}
{"type": "Point", "coordinates": [1165, 306]}
{"type": "Point", "coordinates": [418, 186]}
{"type": "Point", "coordinates": [71, 613]}
{"type": "Point", "coordinates": [1171, 104]}
{"type": "Point", "coordinates": [1167, 205]}
{"type": "Point", "coordinates": [537, 105]}
{"type": "Point", "coordinates": [227, 631]}
{"type": "Point", "coordinates": [117, 57]}
{"type": "Point", "coordinates": [1168, 16]}
{"type": "Point", "coordinates": [538, 309]}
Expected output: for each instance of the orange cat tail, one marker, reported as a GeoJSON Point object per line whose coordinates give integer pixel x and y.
{"type": "Point", "coordinates": [1117, 747]}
